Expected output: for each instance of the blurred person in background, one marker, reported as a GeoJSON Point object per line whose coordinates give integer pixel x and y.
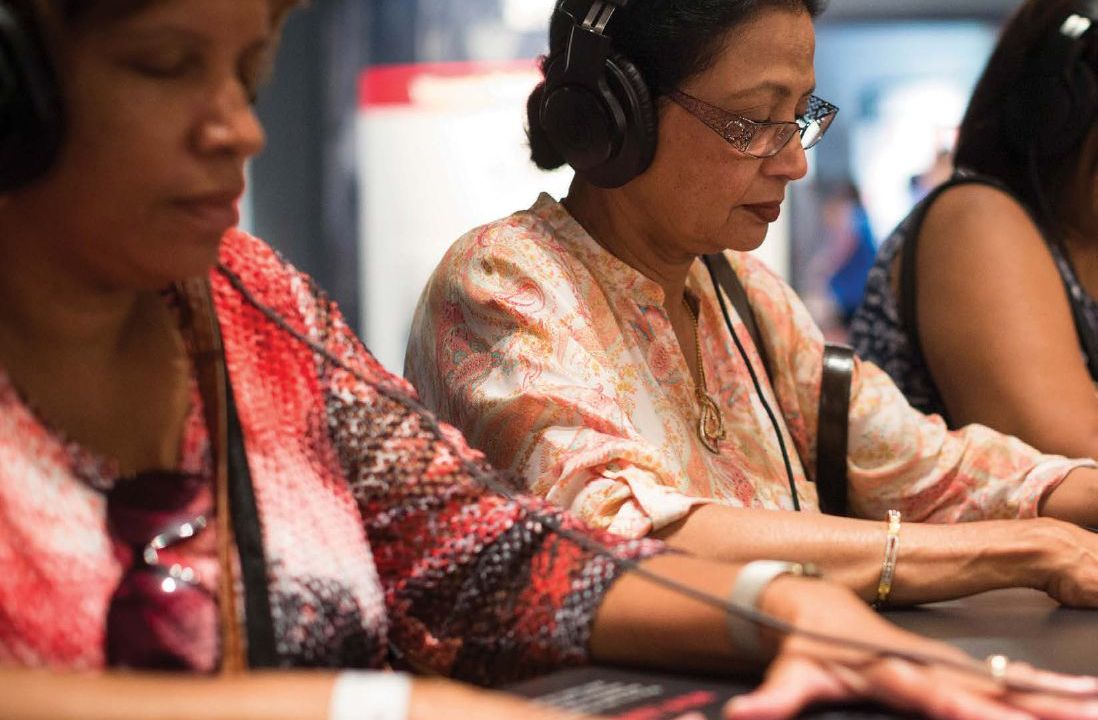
{"type": "Point", "coordinates": [939, 170]}
{"type": "Point", "coordinates": [836, 271]}
{"type": "Point", "coordinates": [981, 305]}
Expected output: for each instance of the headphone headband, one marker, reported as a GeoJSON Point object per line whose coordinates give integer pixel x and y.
{"type": "Point", "coordinates": [588, 48]}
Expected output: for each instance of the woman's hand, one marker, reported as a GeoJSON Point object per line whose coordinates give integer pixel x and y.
{"type": "Point", "coordinates": [807, 671]}
{"type": "Point", "coordinates": [1068, 567]}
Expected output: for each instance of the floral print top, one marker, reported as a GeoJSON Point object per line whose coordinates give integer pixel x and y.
{"type": "Point", "coordinates": [559, 361]}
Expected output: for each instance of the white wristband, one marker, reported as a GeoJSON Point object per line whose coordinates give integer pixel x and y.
{"type": "Point", "coordinates": [750, 583]}
{"type": "Point", "coordinates": [361, 695]}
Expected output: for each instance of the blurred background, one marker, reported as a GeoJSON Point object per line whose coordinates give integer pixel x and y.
{"type": "Point", "coordinates": [397, 125]}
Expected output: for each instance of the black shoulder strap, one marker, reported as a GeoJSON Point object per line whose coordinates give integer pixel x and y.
{"type": "Point", "coordinates": [725, 278]}
{"type": "Point", "coordinates": [259, 622]}
{"type": "Point", "coordinates": [833, 428]}
{"type": "Point", "coordinates": [838, 368]}
{"type": "Point", "coordinates": [228, 443]}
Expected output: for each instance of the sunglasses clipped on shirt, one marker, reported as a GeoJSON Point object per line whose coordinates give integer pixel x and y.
{"type": "Point", "coordinates": [759, 139]}
{"type": "Point", "coordinates": [159, 614]}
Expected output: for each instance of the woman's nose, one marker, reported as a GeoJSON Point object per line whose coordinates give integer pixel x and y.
{"type": "Point", "coordinates": [231, 125]}
{"type": "Point", "coordinates": [790, 162]}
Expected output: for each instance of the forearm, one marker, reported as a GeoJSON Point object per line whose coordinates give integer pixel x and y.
{"type": "Point", "coordinates": [44, 695]}
{"type": "Point", "coordinates": [935, 562]}
{"type": "Point", "coordinates": [641, 622]}
{"type": "Point", "coordinates": [34, 695]}
{"type": "Point", "coordinates": [1075, 500]}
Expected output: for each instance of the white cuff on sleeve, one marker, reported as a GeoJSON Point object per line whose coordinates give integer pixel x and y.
{"type": "Point", "coordinates": [370, 696]}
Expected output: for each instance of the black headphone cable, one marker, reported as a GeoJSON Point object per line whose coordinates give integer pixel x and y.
{"type": "Point", "coordinates": [757, 617]}
{"type": "Point", "coordinates": [758, 392]}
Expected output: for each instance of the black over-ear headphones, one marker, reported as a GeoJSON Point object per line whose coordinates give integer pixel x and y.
{"type": "Point", "coordinates": [596, 108]}
{"type": "Point", "coordinates": [1056, 99]}
{"type": "Point", "coordinates": [31, 118]}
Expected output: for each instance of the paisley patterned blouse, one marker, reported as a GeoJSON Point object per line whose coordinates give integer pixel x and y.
{"type": "Point", "coordinates": [382, 545]}
{"type": "Point", "coordinates": [559, 361]}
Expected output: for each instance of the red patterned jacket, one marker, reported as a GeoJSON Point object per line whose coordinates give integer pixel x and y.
{"type": "Point", "coordinates": [381, 545]}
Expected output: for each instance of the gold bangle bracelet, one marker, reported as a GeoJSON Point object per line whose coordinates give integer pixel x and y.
{"type": "Point", "coordinates": [888, 569]}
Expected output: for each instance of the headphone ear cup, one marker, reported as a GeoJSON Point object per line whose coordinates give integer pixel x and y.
{"type": "Point", "coordinates": [1072, 113]}
{"type": "Point", "coordinates": [31, 116]}
{"type": "Point", "coordinates": [606, 131]}
{"type": "Point", "coordinates": [580, 124]}
{"type": "Point", "coordinates": [1050, 115]}
{"type": "Point", "coordinates": [640, 129]}
{"type": "Point", "coordinates": [1035, 112]}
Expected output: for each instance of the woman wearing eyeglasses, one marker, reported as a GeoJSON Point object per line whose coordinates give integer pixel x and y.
{"type": "Point", "coordinates": [583, 343]}
{"type": "Point", "coordinates": [982, 304]}
{"type": "Point", "coordinates": [213, 500]}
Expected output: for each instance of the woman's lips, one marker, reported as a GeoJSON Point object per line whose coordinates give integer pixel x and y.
{"type": "Point", "coordinates": [215, 215]}
{"type": "Point", "coordinates": [766, 212]}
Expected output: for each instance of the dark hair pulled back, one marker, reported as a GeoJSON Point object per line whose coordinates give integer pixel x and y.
{"type": "Point", "coordinates": [669, 41]}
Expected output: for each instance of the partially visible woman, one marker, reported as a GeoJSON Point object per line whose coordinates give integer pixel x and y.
{"type": "Point", "coordinates": [584, 345]}
{"type": "Point", "coordinates": [982, 303]}
{"type": "Point", "coordinates": [202, 470]}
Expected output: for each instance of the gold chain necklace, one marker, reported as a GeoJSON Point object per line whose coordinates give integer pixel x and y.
{"type": "Point", "coordinates": [710, 418]}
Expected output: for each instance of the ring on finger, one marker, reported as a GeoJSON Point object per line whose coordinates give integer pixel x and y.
{"type": "Point", "coordinates": [997, 667]}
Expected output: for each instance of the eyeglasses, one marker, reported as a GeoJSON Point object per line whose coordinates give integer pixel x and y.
{"type": "Point", "coordinates": [160, 615]}
{"type": "Point", "coordinates": [760, 139]}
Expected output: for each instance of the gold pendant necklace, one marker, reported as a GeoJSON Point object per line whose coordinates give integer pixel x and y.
{"type": "Point", "coordinates": [710, 418]}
